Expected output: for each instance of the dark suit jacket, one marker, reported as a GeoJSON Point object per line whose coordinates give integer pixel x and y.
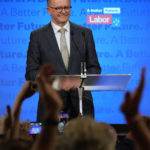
{"type": "Point", "coordinates": [43, 49]}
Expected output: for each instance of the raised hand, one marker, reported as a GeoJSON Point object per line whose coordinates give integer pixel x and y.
{"type": "Point", "coordinates": [28, 89]}
{"type": "Point", "coordinates": [6, 122]}
{"type": "Point", "coordinates": [130, 106]}
{"type": "Point", "coordinates": [50, 97]}
{"type": "Point", "coordinates": [53, 105]}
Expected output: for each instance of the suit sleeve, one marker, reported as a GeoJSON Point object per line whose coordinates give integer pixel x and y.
{"type": "Point", "coordinates": [33, 58]}
{"type": "Point", "coordinates": [93, 66]}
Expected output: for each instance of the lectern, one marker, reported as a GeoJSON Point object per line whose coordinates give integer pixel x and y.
{"type": "Point", "coordinates": [95, 82]}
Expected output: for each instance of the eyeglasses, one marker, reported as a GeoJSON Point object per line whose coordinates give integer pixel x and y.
{"type": "Point", "coordinates": [60, 9]}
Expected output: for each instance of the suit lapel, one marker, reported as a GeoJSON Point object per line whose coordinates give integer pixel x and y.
{"type": "Point", "coordinates": [75, 44]}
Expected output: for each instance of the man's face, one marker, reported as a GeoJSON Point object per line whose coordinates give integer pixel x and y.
{"type": "Point", "coordinates": [59, 18]}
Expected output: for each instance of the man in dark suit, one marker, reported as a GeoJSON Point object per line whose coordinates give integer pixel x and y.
{"type": "Point", "coordinates": [46, 47]}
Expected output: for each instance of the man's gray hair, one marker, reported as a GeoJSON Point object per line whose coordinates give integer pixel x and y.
{"type": "Point", "coordinates": [48, 2]}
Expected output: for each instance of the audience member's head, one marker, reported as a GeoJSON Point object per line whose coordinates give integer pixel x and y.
{"type": "Point", "coordinates": [111, 130]}
{"type": "Point", "coordinates": [86, 134]}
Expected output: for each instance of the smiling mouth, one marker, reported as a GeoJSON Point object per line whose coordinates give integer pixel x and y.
{"type": "Point", "coordinates": [63, 16]}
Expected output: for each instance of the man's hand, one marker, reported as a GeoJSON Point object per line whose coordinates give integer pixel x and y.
{"type": "Point", "coordinates": [69, 83]}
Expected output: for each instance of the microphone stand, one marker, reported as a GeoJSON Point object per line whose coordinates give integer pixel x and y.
{"type": "Point", "coordinates": [83, 72]}
{"type": "Point", "coordinates": [81, 89]}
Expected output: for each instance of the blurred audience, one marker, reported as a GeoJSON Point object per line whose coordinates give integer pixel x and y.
{"type": "Point", "coordinates": [80, 133]}
{"type": "Point", "coordinates": [16, 144]}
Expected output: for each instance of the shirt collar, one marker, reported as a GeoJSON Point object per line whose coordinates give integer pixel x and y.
{"type": "Point", "coordinates": [56, 28]}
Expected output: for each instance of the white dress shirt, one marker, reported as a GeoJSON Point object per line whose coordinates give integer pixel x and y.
{"type": "Point", "coordinates": [56, 29]}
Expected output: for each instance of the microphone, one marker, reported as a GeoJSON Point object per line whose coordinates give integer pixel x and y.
{"type": "Point", "coordinates": [84, 45]}
{"type": "Point", "coordinates": [84, 52]}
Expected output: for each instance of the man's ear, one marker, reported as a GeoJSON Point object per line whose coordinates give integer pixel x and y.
{"type": "Point", "coordinates": [48, 10]}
